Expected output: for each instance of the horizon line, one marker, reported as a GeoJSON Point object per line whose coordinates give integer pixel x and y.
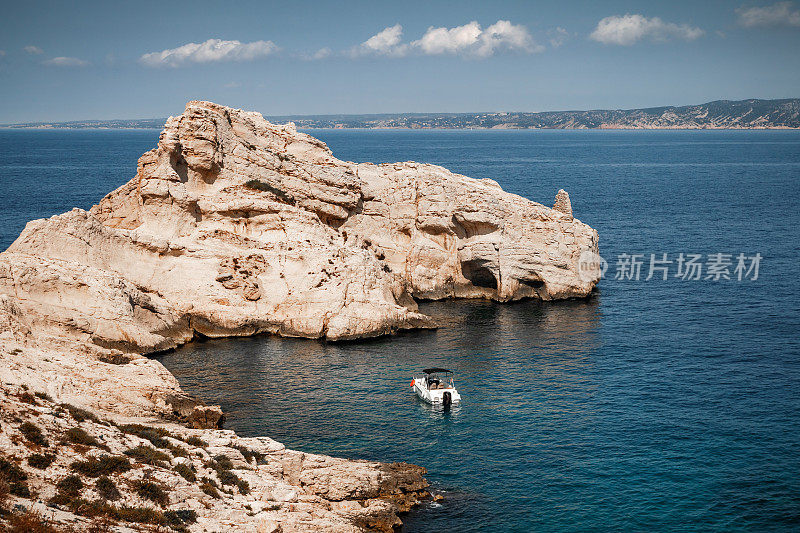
{"type": "Point", "coordinates": [405, 113]}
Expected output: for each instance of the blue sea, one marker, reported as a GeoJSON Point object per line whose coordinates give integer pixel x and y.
{"type": "Point", "coordinates": [654, 405]}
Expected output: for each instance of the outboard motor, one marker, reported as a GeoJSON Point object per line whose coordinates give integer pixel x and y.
{"type": "Point", "coordinates": [447, 400]}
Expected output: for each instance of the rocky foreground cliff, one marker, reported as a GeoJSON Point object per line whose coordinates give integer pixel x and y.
{"type": "Point", "coordinates": [235, 226]}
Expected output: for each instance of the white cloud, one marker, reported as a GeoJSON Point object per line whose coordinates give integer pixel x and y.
{"type": "Point", "coordinates": [558, 36]}
{"type": "Point", "coordinates": [65, 62]}
{"type": "Point", "coordinates": [33, 50]}
{"type": "Point", "coordinates": [625, 30]}
{"type": "Point", "coordinates": [322, 53]}
{"type": "Point", "coordinates": [777, 14]}
{"type": "Point", "coordinates": [470, 39]}
{"type": "Point", "coordinates": [212, 50]}
{"type": "Point", "coordinates": [452, 40]}
{"type": "Point", "coordinates": [386, 42]}
{"type": "Point", "coordinates": [232, 85]}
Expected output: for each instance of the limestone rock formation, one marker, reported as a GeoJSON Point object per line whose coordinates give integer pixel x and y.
{"type": "Point", "coordinates": [206, 417]}
{"type": "Point", "coordinates": [235, 226]}
{"type": "Point", "coordinates": [562, 203]}
{"type": "Point", "coordinates": [199, 481]}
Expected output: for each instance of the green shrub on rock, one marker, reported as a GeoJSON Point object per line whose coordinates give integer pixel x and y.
{"type": "Point", "coordinates": [79, 436]}
{"type": "Point", "coordinates": [153, 434]}
{"type": "Point", "coordinates": [27, 397]}
{"type": "Point", "coordinates": [195, 441]}
{"type": "Point", "coordinates": [141, 515]}
{"type": "Point", "coordinates": [70, 485]}
{"type": "Point", "coordinates": [147, 455]}
{"type": "Point", "coordinates": [41, 461]}
{"type": "Point", "coordinates": [102, 466]}
{"type": "Point", "coordinates": [32, 432]}
{"type": "Point", "coordinates": [249, 454]}
{"type": "Point", "coordinates": [209, 487]}
{"type": "Point", "coordinates": [10, 472]}
{"type": "Point", "coordinates": [149, 490]}
{"type": "Point", "coordinates": [43, 396]}
{"type": "Point", "coordinates": [178, 519]}
{"type": "Point", "coordinates": [15, 478]}
{"type": "Point", "coordinates": [106, 488]}
{"type": "Point", "coordinates": [186, 472]}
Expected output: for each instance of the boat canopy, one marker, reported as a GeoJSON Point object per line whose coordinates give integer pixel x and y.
{"type": "Point", "coordinates": [435, 370]}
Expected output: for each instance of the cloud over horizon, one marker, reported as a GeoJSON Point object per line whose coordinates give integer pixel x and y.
{"type": "Point", "coordinates": [212, 50]}
{"type": "Point", "coordinates": [468, 40]}
{"type": "Point", "coordinates": [386, 42]}
{"type": "Point", "coordinates": [66, 62]}
{"type": "Point", "coordinates": [471, 40]}
{"type": "Point", "coordinates": [625, 30]}
{"type": "Point", "coordinates": [777, 14]}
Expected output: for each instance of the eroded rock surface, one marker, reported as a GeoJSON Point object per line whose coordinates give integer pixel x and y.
{"type": "Point", "coordinates": [235, 226]}
{"type": "Point", "coordinates": [563, 203]}
{"type": "Point", "coordinates": [53, 456]}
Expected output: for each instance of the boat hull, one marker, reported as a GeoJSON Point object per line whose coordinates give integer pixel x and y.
{"type": "Point", "coordinates": [434, 397]}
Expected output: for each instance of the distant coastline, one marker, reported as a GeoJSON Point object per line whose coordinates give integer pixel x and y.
{"type": "Point", "coordinates": [720, 114]}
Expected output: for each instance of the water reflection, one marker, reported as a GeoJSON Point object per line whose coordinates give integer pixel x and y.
{"type": "Point", "coordinates": [523, 370]}
{"type": "Point", "coordinates": [335, 397]}
{"type": "Point", "coordinates": [448, 414]}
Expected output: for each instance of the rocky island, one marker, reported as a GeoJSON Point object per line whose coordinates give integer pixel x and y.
{"type": "Point", "coordinates": [235, 226]}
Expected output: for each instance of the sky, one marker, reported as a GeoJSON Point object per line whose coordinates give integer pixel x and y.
{"type": "Point", "coordinates": [70, 60]}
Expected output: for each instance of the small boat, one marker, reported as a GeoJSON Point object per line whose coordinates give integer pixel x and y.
{"type": "Point", "coordinates": [436, 387]}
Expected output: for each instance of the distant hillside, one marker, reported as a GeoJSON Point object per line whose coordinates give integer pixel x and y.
{"type": "Point", "coordinates": [124, 124]}
{"type": "Point", "coordinates": [721, 114]}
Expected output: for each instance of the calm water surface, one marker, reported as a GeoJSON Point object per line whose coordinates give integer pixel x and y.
{"type": "Point", "coordinates": [669, 405]}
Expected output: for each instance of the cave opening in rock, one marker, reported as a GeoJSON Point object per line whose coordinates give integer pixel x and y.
{"type": "Point", "coordinates": [535, 283]}
{"type": "Point", "coordinates": [478, 274]}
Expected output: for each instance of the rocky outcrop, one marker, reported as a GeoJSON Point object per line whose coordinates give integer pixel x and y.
{"type": "Point", "coordinates": [563, 203]}
{"type": "Point", "coordinates": [235, 226]}
{"type": "Point", "coordinates": [68, 467]}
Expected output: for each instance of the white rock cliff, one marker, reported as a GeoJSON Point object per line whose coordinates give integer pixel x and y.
{"type": "Point", "coordinates": [236, 226]}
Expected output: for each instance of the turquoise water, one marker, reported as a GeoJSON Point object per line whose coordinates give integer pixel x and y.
{"type": "Point", "coordinates": [668, 405]}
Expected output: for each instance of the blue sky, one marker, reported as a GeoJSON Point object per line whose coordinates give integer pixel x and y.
{"type": "Point", "coordinates": [82, 60]}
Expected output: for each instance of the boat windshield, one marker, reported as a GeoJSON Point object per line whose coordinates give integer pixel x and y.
{"type": "Point", "coordinates": [439, 379]}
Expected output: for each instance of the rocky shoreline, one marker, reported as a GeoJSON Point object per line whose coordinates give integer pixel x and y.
{"type": "Point", "coordinates": [234, 226]}
{"type": "Point", "coordinates": [67, 466]}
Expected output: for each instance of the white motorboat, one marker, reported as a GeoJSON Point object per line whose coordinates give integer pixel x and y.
{"type": "Point", "coordinates": [436, 387]}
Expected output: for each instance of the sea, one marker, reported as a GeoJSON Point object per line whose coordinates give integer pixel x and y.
{"type": "Point", "coordinates": [669, 400]}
